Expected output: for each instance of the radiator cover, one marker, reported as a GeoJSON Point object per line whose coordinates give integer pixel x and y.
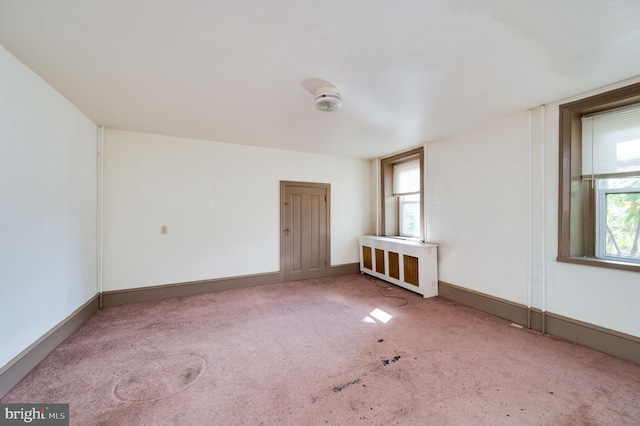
{"type": "Point", "coordinates": [409, 264]}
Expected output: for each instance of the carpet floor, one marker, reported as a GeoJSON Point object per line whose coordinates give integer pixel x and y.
{"type": "Point", "coordinates": [330, 351]}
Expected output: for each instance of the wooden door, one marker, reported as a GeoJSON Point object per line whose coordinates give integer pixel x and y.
{"type": "Point", "coordinates": [304, 230]}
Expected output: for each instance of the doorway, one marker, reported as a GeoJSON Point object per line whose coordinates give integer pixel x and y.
{"type": "Point", "coordinates": [304, 230]}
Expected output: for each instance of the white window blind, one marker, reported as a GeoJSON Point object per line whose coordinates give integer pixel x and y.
{"type": "Point", "coordinates": [406, 177]}
{"type": "Point", "coordinates": [611, 143]}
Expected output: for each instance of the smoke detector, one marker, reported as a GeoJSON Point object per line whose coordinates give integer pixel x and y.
{"type": "Point", "coordinates": [328, 99]}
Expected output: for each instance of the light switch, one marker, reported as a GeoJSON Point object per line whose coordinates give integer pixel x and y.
{"type": "Point", "coordinates": [164, 229]}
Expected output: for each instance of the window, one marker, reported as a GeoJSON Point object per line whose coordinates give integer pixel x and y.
{"type": "Point", "coordinates": [402, 207]}
{"type": "Point", "coordinates": [599, 217]}
{"type": "Point", "coordinates": [406, 189]}
{"type": "Point", "coordinates": [409, 215]}
{"type": "Point", "coordinates": [611, 161]}
{"type": "Point", "coordinates": [618, 211]}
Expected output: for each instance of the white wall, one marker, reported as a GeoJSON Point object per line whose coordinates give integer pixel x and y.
{"type": "Point", "coordinates": [478, 212]}
{"type": "Point", "coordinates": [220, 203]}
{"type": "Point", "coordinates": [47, 207]}
{"type": "Point", "coordinates": [477, 194]}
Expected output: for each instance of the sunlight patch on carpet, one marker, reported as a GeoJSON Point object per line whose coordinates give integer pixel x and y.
{"type": "Point", "coordinates": [380, 315]}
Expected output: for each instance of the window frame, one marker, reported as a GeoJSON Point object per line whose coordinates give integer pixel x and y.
{"type": "Point", "coordinates": [386, 191]}
{"type": "Point", "coordinates": [569, 139]}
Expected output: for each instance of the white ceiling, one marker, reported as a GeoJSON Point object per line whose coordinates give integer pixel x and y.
{"type": "Point", "coordinates": [410, 71]}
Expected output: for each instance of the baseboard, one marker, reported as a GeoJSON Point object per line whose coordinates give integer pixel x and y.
{"type": "Point", "coordinates": [345, 269]}
{"type": "Point", "coordinates": [192, 288]}
{"type": "Point", "coordinates": [25, 361]}
{"type": "Point", "coordinates": [536, 319]}
{"type": "Point", "coordinates": [605, 340]}
{"type": "Point", "coordinates": [493, 305]}
{"type": "Point", "coordinates": [612, 342]}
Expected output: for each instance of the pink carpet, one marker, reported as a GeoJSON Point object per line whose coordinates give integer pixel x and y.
{"type": "Point", "coordinates": [327, 351]}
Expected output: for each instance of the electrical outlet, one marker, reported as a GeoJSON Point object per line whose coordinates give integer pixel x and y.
{"type": "Point", "coordinates": [164, 229]}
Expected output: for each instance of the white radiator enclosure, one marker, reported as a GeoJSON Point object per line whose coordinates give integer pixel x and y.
{"type": "Point", "coordinates": [409, 264]}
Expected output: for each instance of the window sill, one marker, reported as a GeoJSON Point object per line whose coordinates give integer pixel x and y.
{"type": "Point", "coordinates": [602, 263]}
{"type": "Point", "coordinates": [399, 237]}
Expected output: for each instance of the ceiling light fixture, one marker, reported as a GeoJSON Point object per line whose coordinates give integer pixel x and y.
{"type": "Point", "coordinates": [328, 99]}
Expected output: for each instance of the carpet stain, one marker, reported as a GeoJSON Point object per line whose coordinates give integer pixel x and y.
{"type": "Point", "coordinates": [159, 378]}
{"type": "Point", "coordinates": [337, 389]}
{"type": "Point", "coordinates": [341, 387]}
{"type": "Point", "coordinates": [394, 359]}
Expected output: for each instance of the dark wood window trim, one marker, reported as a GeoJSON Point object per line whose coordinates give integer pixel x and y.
{"type": "Point", "coordinates": [385, 185]}
{"type": "Point", "coordinates": [570, 114]}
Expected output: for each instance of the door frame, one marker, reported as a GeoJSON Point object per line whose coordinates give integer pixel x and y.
{"type": "Point", "coordinates": [284, 184]}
